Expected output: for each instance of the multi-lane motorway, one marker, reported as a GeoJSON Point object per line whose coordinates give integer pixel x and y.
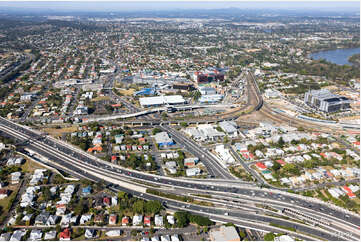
{"type": "Point", "coordinates": [81, 164]}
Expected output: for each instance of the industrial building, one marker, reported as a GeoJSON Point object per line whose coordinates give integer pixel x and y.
{"type": "Point", "coordinates": [207, 90]}
{"type": "Point", "coordinates": [161, 100]}
{"type": "Point", "coordinates": [163, 139]}
{"type": "Point", "coordinates": [326, 101]}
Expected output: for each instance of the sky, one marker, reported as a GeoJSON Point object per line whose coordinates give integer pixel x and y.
{"type": "Point", "coordinates": [118, 6]}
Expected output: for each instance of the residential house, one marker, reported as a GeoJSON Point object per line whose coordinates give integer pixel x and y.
{"type": "Point", "coordinates": [50, 235]}
{"type": "Point", "coordinates": [165, 237]}
{"type": "Point", "coordinates": [147, 220]}
{"type": "Point", "coordinates": [125, 221]}
{"type": "Point", "coordinates": [85, 218]}
{"type": "Point", "coordinates": [112, 219]}
{"type": "Point", "coordinates": [42, 218]}
{"type": "Point", "coordinates": [18, 235]}
{"type": "Point", "coordinates": [137, 220]}
{"type": "Point", "coordinates": [170, 219]}
{"type": "Point", "coordinates": [65, 235]}
{"type": "Point", "coordinates": [3, 193]}
{"type": "Point", "coordinates": [113, 233]}
{"type": "Point", "coordinates": [15, 177]}
{"type": "Point", "coordinates": [35, 234]}
{"type": "Point", "coordinates": [86, 191]}
{"type": "Point", "coordinates": [90, 233]}
{"type": "Point", "coordinates": [158, 220]}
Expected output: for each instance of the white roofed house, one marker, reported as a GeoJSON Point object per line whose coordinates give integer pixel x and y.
{"type": "Point", "coordinates": [158, 220]}
{"type": "Point", "coordinates": [65, 220]}
{"type": "Point", "coordinates": [18, 235]}
{"type": "Point", "coordinates": [170, 219]}
{"type": "Point", "coordinates": [35, 234]}
{"type": "Point", "coordinates": [137, 220]}
{"type": "Point", "coordinates": [52, 220]}
{"type": "Point", "coordinates": [42, 218]}
{"type": "Point", "coordinates": [259, 154]}
{"type": "Point", "coordinates": [50, 235]}
{"type": "Point", "coordinates": [85, 218]}
{"type": "Point", "coordinates": [15, 177]}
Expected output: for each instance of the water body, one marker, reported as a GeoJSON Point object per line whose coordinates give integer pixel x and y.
{"type": "Point", "coordinates": [338, 56]}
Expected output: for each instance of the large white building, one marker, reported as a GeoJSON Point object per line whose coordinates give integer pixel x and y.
{"type": "Point", "coordinates": [161, 100]}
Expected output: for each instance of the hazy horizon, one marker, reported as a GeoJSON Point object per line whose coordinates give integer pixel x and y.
{"type": "Point", "coordinates": [106, 6]}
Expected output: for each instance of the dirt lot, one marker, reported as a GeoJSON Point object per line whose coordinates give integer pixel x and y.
{"type": "Point", "coordinates": [58, 132]}
{"type": "Point", "coordinates": [126, 92]}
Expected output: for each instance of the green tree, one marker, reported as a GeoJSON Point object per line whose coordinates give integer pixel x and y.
{"type": "Point", "coordinates": [181, 218]}
{"type": "Point", "coordinates": [138, 206]}
{"type": "Point", "coordinates": [242, 234]}
{"type": "Point", "coordinates": [153, 207]}
{"type": "Point", "coordinates": [269, 237]}
{"type": "Point", "coordinates": [276, 166]}
{"type": "Point", "coordinates": [156, 130]}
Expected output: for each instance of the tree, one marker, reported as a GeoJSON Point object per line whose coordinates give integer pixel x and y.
{"type": "Point", "coordinates": [269, 237]}
{"type": "Point", "coordinates": [134, 232]}
{"type": "Point", "coordinates": [156, 130]}
{"type": "Point", "coordinates": [276, 166]}
{"type": "Point", "coordinates": [242, 234]}
{"type": "Point", "coordinates": [291, 168]}
{"type": "Point", "coordinates": [138, 206]}
{"type": "Point", "coordinates": [153, 207]}
{"type": "Point", "coordinates": [281, 142]}
{"type": "Point", "coordinates": [181, 218]}
{"type": "Point", "coordinates": [200, 220]}
{"type": "Point", "coordinates": [184, 124]}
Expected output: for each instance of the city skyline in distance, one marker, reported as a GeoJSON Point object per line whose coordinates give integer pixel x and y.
{"type": "Point", "coordinates": [124, 6]}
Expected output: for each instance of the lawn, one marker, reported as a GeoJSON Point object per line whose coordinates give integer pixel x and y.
{"type": "Point", "coordinates": [101, 98]}
{"type": "Point", "coordinates": [5, 203]}
{"type": "Point", "coordinates": [30, 166]}
{"type": "Point", "coordinates": [126, 92]}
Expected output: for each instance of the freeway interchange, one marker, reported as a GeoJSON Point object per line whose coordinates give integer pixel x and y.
{"type": "Point", "coordinates": [343, 225]}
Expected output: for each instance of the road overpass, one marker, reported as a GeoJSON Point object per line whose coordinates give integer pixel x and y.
{"type": "Point", "coordinates": [87, 166]}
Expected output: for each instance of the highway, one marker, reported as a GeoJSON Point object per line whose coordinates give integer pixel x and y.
{"type": "Point", "coordinates": [90, 167]}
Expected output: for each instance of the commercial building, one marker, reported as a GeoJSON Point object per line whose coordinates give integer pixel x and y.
{"type": "Point", "coordinates": [161, 100]}
{"type": "Point", "coordinates": [214, 98]}
{"type": "Point", "coordinates": [207, 90]}
{"type": "Point", "coordinates": [229, 127]}
{"type": "Point", "coordinates": [163, 139]}
{"type": "Point", "coordinates": [326, 101]}
{"type": "Point", "coordinates": [224, 234]}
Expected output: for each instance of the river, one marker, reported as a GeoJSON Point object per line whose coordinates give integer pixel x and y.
{"type": "Point", "coordinates": [338, 56]}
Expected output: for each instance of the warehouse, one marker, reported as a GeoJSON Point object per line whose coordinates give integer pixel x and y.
{"type": "Point", "coordinates": [214, 98]}
{"type": "Point", "coordinates": [161, 100]}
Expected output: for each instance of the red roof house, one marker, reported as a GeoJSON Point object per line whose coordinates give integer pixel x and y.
{"type": "Point", "coordinates": [261, 166]}
{"type": "Point", "coordinates": [65, 235]}
{"type": "Point", "coordinates": [147, 220]}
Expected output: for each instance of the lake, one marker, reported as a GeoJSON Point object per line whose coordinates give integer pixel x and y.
{"type": "Point", "coordinates": [338, 56]}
